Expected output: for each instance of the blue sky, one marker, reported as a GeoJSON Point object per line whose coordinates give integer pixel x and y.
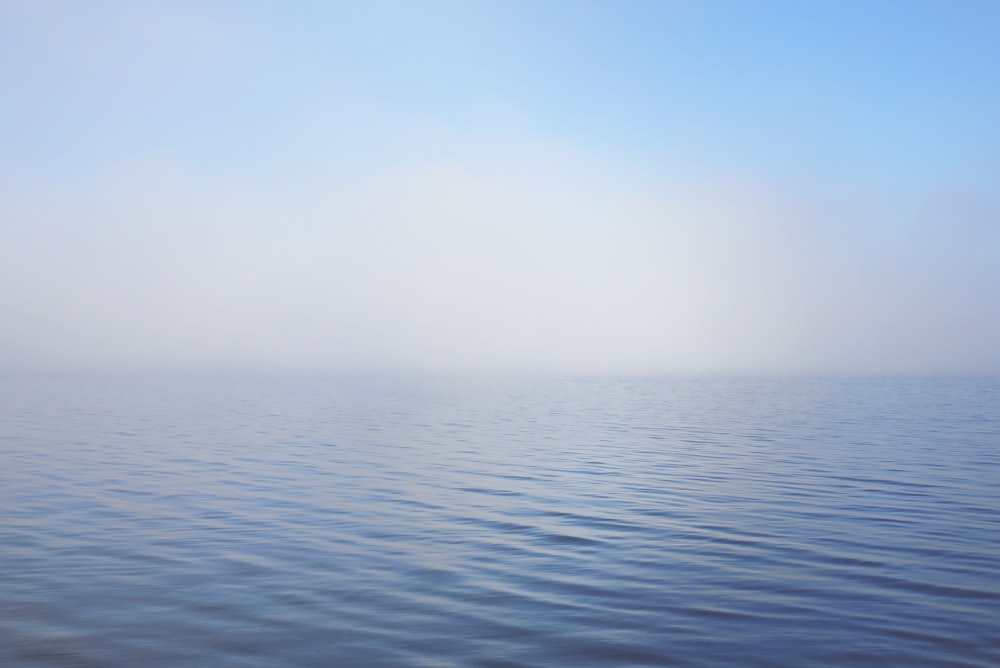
{"type": "Point", "coordinates": [635, 186]}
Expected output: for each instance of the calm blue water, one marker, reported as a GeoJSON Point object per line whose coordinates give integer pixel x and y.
{"type": "Point", "coordinates": [573, 522]}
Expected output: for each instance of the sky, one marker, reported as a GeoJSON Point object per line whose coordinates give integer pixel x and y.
{"type": "Point", "coordinates": [546, 185]}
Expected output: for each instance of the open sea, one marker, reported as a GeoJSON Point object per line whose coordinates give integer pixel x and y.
{"type": "Point", "coordinates": [577, 522]}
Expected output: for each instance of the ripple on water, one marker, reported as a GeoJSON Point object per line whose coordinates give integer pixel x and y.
{"type": "Point", "coordinates": [318, 522]}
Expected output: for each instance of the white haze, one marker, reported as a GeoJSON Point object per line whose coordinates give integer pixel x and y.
{"type": "Point", "coordinates": [490, 253]}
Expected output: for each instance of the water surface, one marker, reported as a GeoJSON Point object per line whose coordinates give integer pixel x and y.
{"type": "Point", "coordinates": [178, 521]}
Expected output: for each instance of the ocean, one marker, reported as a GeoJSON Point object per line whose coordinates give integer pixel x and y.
{"type": "Point", "coordinates": [499, 522]}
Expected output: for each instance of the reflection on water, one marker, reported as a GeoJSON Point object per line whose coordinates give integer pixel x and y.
{"type": "Point", "coordinates": [572, 522]}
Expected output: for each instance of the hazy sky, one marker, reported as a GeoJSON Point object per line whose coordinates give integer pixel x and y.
{"type": "Point", "coordinates": [654, 186]}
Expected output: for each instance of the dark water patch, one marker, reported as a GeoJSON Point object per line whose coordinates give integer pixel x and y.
{"type": "Point", "coordinates": [489, 491]}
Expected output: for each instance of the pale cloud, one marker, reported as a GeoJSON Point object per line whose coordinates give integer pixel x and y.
{"type": "Point", "coordinates": [483, 254]}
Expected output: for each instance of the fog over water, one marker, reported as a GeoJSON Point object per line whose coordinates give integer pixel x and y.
{"type": "Point", "coordinates": [499, 186]}
{"type": "Point", "coordinates": [499, 333]}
